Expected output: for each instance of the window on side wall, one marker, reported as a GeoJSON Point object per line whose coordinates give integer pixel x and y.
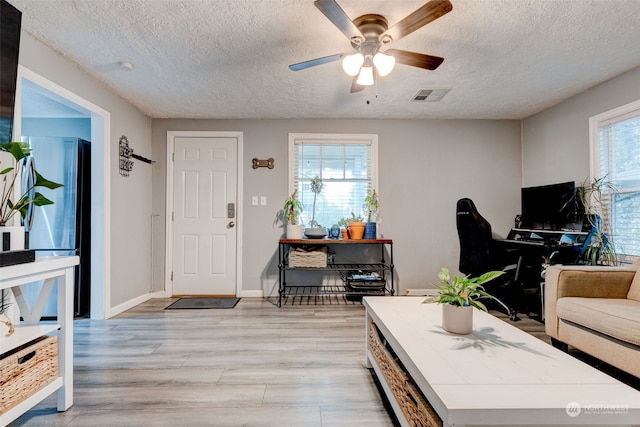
{"type": "Point", "coordinates": [347, 166]}
{"type": "Point", "coordinates": [615, 158]}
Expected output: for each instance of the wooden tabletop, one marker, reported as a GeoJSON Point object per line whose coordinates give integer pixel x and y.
{"type": "Point", "coordinates": [327, 241]}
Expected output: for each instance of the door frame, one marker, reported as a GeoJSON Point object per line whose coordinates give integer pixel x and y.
{"type": "Point", "coordinates": [171, 137]}
{"type": "Point", "coordinates": [100, 304]}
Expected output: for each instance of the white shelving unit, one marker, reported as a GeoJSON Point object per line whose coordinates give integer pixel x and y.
{"type": "Point", "coordinates": [52, 270]}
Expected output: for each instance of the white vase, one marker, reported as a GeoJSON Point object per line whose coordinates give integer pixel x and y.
{"type": "Point", "coordinates": [6, 327]}
{"type": "Point", "coordinates": [294, 231]}
{"type": "Point", "coordinates": [456, 319]}
{"type": "Point", "coordinates": [16, 237]}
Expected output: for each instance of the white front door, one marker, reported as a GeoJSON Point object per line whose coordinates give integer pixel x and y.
{"type": "Point", "coordinates": [204, 215]}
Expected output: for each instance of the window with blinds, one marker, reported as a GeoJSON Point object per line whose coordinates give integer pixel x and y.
{"type": "Point", "coordinates": [617, 155]}
{"type": "Point", "coordinates": [346, 167]}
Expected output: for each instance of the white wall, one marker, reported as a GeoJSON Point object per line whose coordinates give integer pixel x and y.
{"type": "Point", "coordinates": [555, 142]}
{"type": "Point", "coordinates": [425, 167]}
{"type": "Point", "coordinates": [130, 209]}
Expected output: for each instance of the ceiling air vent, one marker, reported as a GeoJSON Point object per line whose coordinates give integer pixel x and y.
{"type": "Point", "coordinates": [430, 95]}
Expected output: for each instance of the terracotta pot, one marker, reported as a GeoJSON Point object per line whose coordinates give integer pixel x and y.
{"type": "Point", "coordinates": [345, 233]}
{"type": "Point", "coordinates": [356, 230]}
{"type": "Point", "coordinates": [456, 319]}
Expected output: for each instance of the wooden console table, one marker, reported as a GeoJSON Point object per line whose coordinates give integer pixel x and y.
{"type": "Point", "coordinates": [49, 269]}
{"type": "Point", "coordinates": [497, 375]}
{"type": "Point", "coordinates": [383, 285]}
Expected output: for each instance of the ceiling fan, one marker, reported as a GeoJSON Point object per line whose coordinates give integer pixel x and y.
{"type": "Point", "coordinates": [369, 33]}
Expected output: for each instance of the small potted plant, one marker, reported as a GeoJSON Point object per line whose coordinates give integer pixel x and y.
{"type": "Point", "coordinates": [458, 296]}
{"type": "Point", "coordinates": [370, 208]}
{"type": "Point", "coordinates": [356, 227]}
{"type": "Point", "coordinates": [292, 209]}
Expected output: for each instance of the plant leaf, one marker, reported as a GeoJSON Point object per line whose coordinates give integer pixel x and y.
{"type": "Point", "coordinates": [43, 182]}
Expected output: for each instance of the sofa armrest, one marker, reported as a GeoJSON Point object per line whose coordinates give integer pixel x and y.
{"type": "Point", "coordinates": [582, 281]}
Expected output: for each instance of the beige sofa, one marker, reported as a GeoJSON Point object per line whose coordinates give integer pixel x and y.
{"type": "Point", "coordinates": [596, 310]}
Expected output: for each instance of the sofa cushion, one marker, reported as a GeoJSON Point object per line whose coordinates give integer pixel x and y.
{"type": "Point", "coordinates": [618, 318]}
{"type": "Point", "coordinates": [634, 290]}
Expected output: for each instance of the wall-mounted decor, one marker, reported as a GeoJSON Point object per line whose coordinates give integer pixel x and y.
{"type": "Point", "coordinates": [269, 163]}
{"type": "Point", "coordinates": [126, 154]}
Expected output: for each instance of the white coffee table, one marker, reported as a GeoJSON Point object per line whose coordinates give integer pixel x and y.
{"type": "Point", "coordinates": [497, 375]}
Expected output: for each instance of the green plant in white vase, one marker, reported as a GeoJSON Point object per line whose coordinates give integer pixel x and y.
{"type": "Point", "coordinates": [292, 209]}
{"type": "Point", "coordinates": [459, 295]}
{"type": "Point", "coordinates": [463, 291]}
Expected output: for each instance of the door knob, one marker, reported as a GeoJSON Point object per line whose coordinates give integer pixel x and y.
{"type": "Point", "coordinates": [231, 224]}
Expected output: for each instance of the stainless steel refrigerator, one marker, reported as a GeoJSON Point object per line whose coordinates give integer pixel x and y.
{"type": "Point", "coordinates": [63, 228]}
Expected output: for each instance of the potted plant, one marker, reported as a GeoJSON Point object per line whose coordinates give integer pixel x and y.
{"type": "Point", "coordinates": [600, 248]}
{"type": "Point", "coordinates": [458, 297]}
{"type": "Point", "coordinates": [10, 205]}
{"type": "Point", "coordinates": [292, 209]}
{"type": "Point", "coordinates": [370, 207]}
{"type": "Point", "coordinates": [316, 230]}
{"type": "Point", "coordinates": [356, 226]}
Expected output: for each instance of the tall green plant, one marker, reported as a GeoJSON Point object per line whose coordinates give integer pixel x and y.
{"type": "Point", "coordinates": [292, 208]}
{"type": "Point", "coordinates": [371, 205]}
{"type": "Point", "coordinates": [316, 188]}
{"type": "Point", "coordinates": [9, 206]}
{"type": "Point", "coordinates": [600, 249]}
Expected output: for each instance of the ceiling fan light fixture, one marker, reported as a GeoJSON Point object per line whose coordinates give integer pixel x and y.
{"type": "Point", "coordinates": [366, 76]}
{"type": "Point", "coordinates": [351, 63]}
{"type": "Point", "coordinates": [384, 63]}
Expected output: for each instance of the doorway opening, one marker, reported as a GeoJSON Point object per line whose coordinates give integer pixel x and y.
{"type": "Point", "coordinates": [57, 108]}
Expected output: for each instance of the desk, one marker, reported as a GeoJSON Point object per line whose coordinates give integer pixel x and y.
{"type": "Point", "coordinates": [497, 375]}
{"type": "Point", "coordinates": [565, 246]}
{"type": "Point", "coordinates": [384, 267]}
{"type": "Point", "coordinates": [49, 269]}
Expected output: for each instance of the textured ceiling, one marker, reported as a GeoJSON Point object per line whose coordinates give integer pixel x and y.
{"type": "Point", "coordinates": [504, 59]}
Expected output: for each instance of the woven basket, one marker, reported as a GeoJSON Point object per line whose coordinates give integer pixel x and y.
{"type": "Point", "coordinates": [299, 258]}
{"type": "Point", "coordinates": [24, 372]}
{"type": "Point", "coordinates": [414, 406]}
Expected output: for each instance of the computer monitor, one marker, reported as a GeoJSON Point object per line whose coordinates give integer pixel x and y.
{"type": "Point", "coordinates": [551, 207]}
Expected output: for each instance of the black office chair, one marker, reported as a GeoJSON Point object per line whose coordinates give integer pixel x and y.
{"type": "Point", "coordinates": [479, 254]}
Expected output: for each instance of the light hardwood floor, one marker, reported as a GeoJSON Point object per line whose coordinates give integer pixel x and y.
{"type": "Point", "coordinates": [254, 365]}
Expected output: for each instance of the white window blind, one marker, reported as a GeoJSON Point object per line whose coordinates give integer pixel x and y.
{"type": "Point", "coordinates": [619, 164]}
{"type": "Point", "coordinates": [346, 166]}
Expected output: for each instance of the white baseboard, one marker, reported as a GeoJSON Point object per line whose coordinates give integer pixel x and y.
{"type": "Point", "coordinates": [114, 311]}
{"type": "Point", "coordinates": [251, 294]}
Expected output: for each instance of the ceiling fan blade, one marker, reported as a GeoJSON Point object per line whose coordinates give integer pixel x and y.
{"type": "Point", "coordinates": [355, 87]}
{"type": "Point", "coordinates": [335, 14]}
{"type": "Point", "coordinates": [428, 12]}
{"type": "Point", "coordinates": [313, 62]}
{"type": "Point", "coordinates": [415, 59]}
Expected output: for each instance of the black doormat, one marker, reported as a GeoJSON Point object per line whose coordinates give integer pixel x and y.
{"type": "Point", "coordinates": [191, 303]}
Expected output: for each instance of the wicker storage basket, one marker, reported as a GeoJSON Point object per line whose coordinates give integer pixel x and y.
{"type": "Point", "coordinates": [24, 372]}
{"type": "Point", "coordinates": [299, 258]}
{"type": "Point", "coordinates": [415, 407]}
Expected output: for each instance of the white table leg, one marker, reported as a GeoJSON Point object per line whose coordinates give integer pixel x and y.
{"type": "Point", "coordinates": [65, 338]}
